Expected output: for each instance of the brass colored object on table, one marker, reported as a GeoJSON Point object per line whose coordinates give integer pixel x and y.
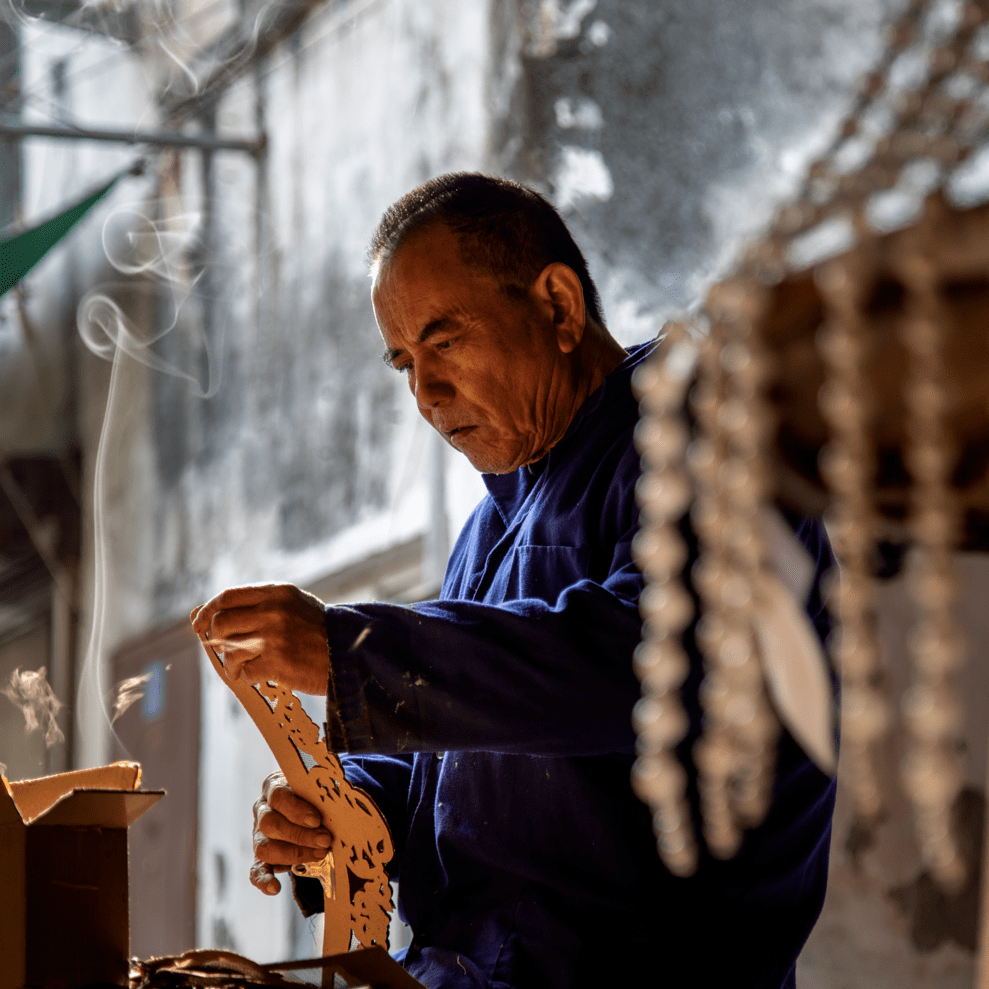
{"type": "Point", "coordinates": [369, 968]}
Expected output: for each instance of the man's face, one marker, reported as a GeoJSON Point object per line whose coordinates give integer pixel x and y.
{"type": "Point", "coordinates": [485, 369]}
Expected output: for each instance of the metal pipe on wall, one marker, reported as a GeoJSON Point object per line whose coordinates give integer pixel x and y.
{"type": "Point", "coordinates": [164, 139]}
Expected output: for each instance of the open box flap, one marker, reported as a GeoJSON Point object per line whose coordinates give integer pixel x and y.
{"type": "Point", "coordinates": [8, 809]}
{"type": "Point", "coordinates": [99, 808]}
{"type": "Point", "coordinates": [34, 797]}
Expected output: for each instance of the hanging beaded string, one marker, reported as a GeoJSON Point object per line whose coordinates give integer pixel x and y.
{"type": "Point", "coordinates": [735, 756]}
{"type": "Point", "coordinates": [714, 753]}
{"type": "Point", "coordinates": [929, 123]}
{"type": "Point", "coordinates": [847, 464]}
{"type": "Point", "coordinates": [932, 768]}
{"type": "Point", "coordinates": [944, 128]}
{"type": "Point", "coordinates": [943, 123]}
{"type": "Point", "coordinates": [746, 419]}
{"type": "Point", "coordinates": [667, 609]}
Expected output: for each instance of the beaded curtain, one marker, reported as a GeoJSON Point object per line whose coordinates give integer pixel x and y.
{"type": "Point", "coordinates": [873, 215]}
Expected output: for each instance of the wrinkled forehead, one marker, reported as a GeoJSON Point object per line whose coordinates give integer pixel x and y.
{"type": "Point", "coordinates": [414, 244]}
{"type": "Point", "coordinates": [430, 264]}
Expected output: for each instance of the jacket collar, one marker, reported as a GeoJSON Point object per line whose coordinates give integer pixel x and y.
{"type": "Point", "coordinates": [509, 491]}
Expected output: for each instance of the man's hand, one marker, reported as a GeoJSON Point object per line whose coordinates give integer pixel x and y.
{"type": "Point", "coordinates": [287, 832]}
{"type": "Point", "coordinates": [268, 632]}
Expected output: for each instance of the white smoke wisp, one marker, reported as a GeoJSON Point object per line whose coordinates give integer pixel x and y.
{"type": "Point", "coordinates": [195, 59]}
{"type": "Point", "coordinates": [31, 693]}
{"type": "Point", "coordinates": [15, 12]}
{"type": "Point", "coordinates": [136, 246]}
{"type": "Point", "coordinates": [183, 67]}
{"type": "Point", "coordinates": [127, 693]}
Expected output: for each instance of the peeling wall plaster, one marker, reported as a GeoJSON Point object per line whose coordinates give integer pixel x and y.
{"type": "Point", "coordinates": [668, 132]}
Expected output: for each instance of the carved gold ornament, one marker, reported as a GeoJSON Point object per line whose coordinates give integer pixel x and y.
{"type": "Point", "coordinates": [356, 893]}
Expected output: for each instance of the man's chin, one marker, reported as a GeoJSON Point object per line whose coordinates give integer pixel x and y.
{"type": "Point", "coordinates": [481, 456]}
{"type": "Point", "coordinates": [486, 462]}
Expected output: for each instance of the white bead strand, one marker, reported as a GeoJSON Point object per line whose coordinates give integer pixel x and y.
{"type": "Point", "coordinates": [932, 768]}
{"type": "Point", "coordinates": [847, 463]}
{"type": "Point", "coordinates": [660, 662]}
{"type": "Point", "coordinates": [744, 420]}
{"type": "Point", "coordinates": [735, 755]}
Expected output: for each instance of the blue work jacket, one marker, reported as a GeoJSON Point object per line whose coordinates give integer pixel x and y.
{"type": "Point", "coordinates": [499, 718]}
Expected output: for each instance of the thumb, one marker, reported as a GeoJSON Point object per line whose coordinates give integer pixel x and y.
{"type": "Point", "coordinates": [264, 879]}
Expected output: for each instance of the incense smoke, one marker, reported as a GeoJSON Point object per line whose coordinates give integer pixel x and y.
{"type": "Point", "coordinates": [128, 692]}
{"type": "Point", "coordinates": [158, 250]}
{"type": "Point", "coordinates": [136, 246]}
{"type": "Point", "coordinates": [30, 692]}
{"type": "Point", "coordinates": [200, 64]}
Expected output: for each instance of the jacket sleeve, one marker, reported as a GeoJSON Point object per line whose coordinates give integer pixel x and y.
{"type": "Point", "coordinates": [524, 676]}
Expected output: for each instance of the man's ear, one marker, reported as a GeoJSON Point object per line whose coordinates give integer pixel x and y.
{"type": "Point", "coordinates": [558, 291]}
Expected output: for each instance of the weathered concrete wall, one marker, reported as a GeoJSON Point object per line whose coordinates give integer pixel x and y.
{"type": "Point", "coordinates": [311, 455]}
{"type": "Point", "coordinates": [308, 434]}
{"type": "Point", "coordinates": [666, 132]}
{"type": "Point", "coordinates": [52, 390]}
{"type": "Point", "coordinates": [100, 82]}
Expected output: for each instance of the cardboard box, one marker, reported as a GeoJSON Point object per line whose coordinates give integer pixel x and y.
{"type": "Point", "coordinates": [63, 856]}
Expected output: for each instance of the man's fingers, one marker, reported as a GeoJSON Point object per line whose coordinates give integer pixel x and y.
{"type": "Point", "coordinates": [236, 651]}
{"type": "Point", "coordinates": [276, 630]}
{"type": "Point", "coordinates": [280, 798]}
{"type": "Point", "coordinates": [276, 852]}
{"type": "Point", "coordinates": [247, 596]}
{"type": "Point", "coordinates": [235, 663]}
{"type": "Point", "coordinates": [287, 831]}
{"type": "Point", "coordinates": [263, 877]}
{"type": "Point", "coordinates": [251, 643]}
{"type": "Point", "coordinates": [271, 824]}
{"type": "Point", "coordinates": [271, 782]}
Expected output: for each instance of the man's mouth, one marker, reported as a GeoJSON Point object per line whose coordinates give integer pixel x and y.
{"type": "Point", "coordinates": [460, 432]}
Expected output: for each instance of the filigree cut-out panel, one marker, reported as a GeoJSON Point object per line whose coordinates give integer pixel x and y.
{"type": "Point", "coordinates": [356, 893]}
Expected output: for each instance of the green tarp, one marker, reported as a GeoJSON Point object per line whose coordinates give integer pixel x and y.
{"type": "Point", "coordinates": [18, 255]}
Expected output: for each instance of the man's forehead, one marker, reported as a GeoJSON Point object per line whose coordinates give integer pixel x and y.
{"type": "Point", "coordinates": [433, 242]}
{"type": "Point", "coordinates": [427, 260]}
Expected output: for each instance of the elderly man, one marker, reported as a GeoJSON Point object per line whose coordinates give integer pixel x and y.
{"type": "Point", "coordinates": [492, 726]}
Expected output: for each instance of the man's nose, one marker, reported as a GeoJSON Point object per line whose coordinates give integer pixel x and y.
{"type": "Point", "coordinates": [432, 388]}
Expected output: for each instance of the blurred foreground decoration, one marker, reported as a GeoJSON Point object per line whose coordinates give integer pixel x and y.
{"type": "Point", "coordinates": [841, 371]}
